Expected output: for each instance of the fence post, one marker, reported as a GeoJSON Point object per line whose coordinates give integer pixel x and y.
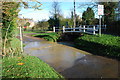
{"type": "Point", "coordinates": [84, 28]}
{"type": "Point", "coordinates": [53, 29]}
{"type": "Point", "coordinates": [21, 39]}
{"type": "Point", "coordinates": [63, 29]}
{"type": "Point", "coordinates": [80, 28]}
{"type": "Point", "coordinates": [94, 30]}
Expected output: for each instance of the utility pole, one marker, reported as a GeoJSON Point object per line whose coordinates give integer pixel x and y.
{"type": "Point", "coordinates": [74, 16]}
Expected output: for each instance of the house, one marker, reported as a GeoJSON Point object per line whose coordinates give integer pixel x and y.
{"type": "Point", "coordinates": [32, 23]}
{"type": "Point", "coordinates": [28, 23]}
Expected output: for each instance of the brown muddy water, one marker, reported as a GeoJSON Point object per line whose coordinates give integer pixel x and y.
{"type": "Point", "coordinates": [71, 62]}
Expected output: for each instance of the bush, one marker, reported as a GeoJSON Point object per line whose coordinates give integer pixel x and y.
{"type": "Point", "coordinates": [13, 47]}
{"type": "Point", "coordinates": [27, 67]}
{"type": "Point", "coordinates": [53, 37]}
{"type": "Point", "coordinates": [106, 45]}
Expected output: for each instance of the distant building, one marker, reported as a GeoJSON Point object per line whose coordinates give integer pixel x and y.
{"type": "Point", "coordinates": [25, 20]}
{"type": "Point", "coordinates": [32, 23]}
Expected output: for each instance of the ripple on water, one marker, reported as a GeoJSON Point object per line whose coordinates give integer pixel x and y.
{"type": "Point", "coordinates": [71, 62]}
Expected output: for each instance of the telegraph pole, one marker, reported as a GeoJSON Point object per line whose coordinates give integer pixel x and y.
{"type": "Point", "coordinates": [74, 16]}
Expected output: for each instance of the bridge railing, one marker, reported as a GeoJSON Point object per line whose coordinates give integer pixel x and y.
{"type": "Point", "coordinates": [85, 29]}
{"type": "Point", "coordinates": [56, 29]}
{"type": "Point", "coordinates": [90, 29]}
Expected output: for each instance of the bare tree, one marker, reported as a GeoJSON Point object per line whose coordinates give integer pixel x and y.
{"type": "Point", "coordinates": [92, 5]}
{"type": "Point", "coordinates": [55, 11]}
{"type": "Point", "coordinates": [56, 14]}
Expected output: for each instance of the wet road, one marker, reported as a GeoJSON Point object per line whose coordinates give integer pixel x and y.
{"type": "Point", "coordinates": [69, 61]}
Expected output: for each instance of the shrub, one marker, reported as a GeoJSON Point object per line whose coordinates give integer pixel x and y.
{"type": "Point", "coordinates": [106, 45]}
{"type": "Point", "coordinates": [13, 47]}
{"type": "Point", "coordinates": [53, 37]}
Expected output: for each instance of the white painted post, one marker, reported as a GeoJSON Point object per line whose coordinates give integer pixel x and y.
{"type": "Point", "coordinates": [21, 39]}
{"type": "Point", "coordinates": [80, 28]}
{"type": "Point", "coordinates": [53, 29]}
{"type": "Point", "coordinates": [94, 30]}
{"type": "Point", "coordinates": [84, 28]}
{"type": "Point", "coordinates": [63, 29]}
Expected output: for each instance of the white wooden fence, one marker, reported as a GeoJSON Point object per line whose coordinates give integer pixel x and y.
{"type": "Point", "coordinates": [90, 29]}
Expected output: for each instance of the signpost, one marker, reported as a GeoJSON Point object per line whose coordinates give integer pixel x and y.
{"type": "Point", "coordinates": [100, 13]}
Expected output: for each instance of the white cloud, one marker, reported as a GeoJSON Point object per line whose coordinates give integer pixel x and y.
{"type": "Point", "coordinates": [44, 14]}
{"type": "Point", "coordinates": [37, 15]}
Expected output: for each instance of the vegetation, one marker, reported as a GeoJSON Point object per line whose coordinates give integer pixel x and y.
{"type": "Point", "coordinates": [27, 24]}
{"type": "Point", "coordinates": [88, 16]}
{"type": "Point", "coordinates": [35, 31]}
{"type": "Point", "coordinates": [15, 48]}
{"type": "Point", "coordinates": [106, 45]}
{"type": "Point", "coordinates": [114, 28]}
{"type": "Point", "coordinates": [14, 64]}
{"type": "Point", "coordinates": [68, 22]}
{"type": "Point", "coordinates": [55, 12]}
{"type": "Point", "coordinates": [9, 23]}
{"type": "Point", "coordinates": [41, 25]}
{"type": "Point", "coordinates": [27, 67]}
{"type": "Point", "coordinates": [109, 11]}
{"type": "Point", "coordinates": [53, 37]}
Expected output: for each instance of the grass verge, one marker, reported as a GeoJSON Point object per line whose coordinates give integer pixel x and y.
{"type": "Point", "coordinates": [27, 67]}
{"type": "Point", "coordinates": [34, 31]}
{"type": "Point", "coordinates": [53, 37]}
{"type": "Point", "coordinates": [106, 45]}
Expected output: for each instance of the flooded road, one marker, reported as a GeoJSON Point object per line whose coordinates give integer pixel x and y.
{"type": "Point", "coordinates": [69, 61]}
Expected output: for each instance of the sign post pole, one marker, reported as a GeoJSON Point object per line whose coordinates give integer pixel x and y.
{"type": "Point", "coordinates": [99, 25]}
{"type": "Point", "coordinates": [100, 13]}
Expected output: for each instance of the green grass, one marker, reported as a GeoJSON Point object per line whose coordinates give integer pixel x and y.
{"type": "Point", "coordinates": [31, 67]}
{"type": "Point", "coordinates": [106, 45]}
{"type": "Point", "coordinates": [28, 32]}
{"type": "Point", "coordinates": [15, 47]}
{"type": "Point", "coordinates": [34, 31]}
{"type": "Point", "coordinates": [104, 39]}
{"type": "Point", "coordinates": [53, 37]}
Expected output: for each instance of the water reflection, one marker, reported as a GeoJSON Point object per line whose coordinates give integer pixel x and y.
{"type": "Point", "coordinates": [71, 62]}
{"type": "Point", "coordinates": [59, 56]}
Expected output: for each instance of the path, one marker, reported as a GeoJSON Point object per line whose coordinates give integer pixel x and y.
{"type": "Point", "coordinates": [71, 62]}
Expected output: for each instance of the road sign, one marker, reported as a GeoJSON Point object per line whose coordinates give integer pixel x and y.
{"type": "Point", "coordinates": [100, 13]}
{"type": "Point", "coordinates": [100, 9]}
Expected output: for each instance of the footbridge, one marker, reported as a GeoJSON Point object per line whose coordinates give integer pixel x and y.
{"type": "Point", "coordinates": [89, 29]}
